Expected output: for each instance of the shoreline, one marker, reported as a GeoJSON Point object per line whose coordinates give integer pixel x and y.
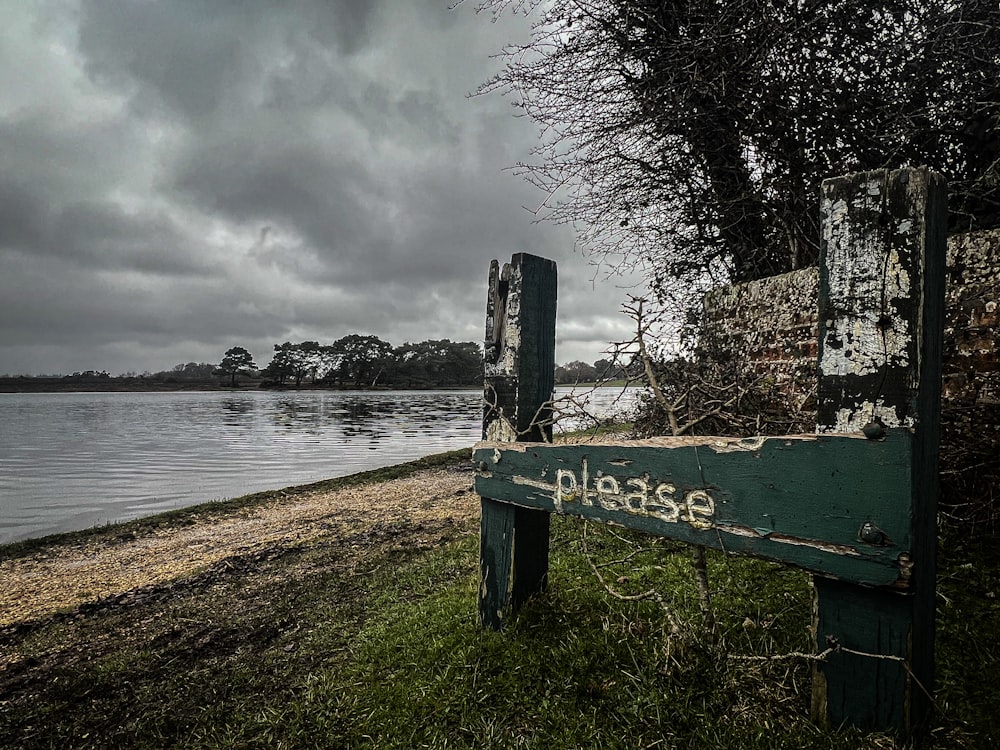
{"type": "Point", "coordinates": [115, 385]}
{"type": "Point", "coordinates": [67, 573]}
{"type": "Point", "coordinates": [105, 387]}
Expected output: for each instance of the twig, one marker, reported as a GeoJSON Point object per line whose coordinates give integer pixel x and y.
{"type": "Point", "coordinates": [698, 561]}
{"type": "Point", "coordinates": [824, 656]}
{"type": "Point", "coordinates": [821, 656]}
{"type": "Point", "coordinates": [653, 594]}
{"type": "Point", "coordinates": [700, 567]}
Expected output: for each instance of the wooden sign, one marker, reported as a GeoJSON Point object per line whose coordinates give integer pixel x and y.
{"type": "Point", "coordinates": [855, 504]}
{"type": "Point", "coordinates": [836, 505]}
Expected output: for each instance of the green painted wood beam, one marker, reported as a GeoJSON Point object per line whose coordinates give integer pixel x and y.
{"type": "Point", "coordinates": [836, 505]}
{"type": "Point", "coordinates": [519, 368]}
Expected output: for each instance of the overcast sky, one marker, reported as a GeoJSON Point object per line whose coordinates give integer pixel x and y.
{"type": "Point", "coordinates": [180, 177]}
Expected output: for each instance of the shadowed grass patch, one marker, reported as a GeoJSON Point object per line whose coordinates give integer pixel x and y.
{"type": "Point", "coordinates": [311, 649]}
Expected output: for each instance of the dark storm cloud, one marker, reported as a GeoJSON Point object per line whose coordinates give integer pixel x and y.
{"type": "Point", "coordinates": [167, 50]}
{"type": "Point", "coordinates": [196, 55]}
{"type": "Point", "coordinates": [44, 162]}
{"type": "Point", "coordinates": [102, 235]}
{"type": "Point", "coordinates": [329, 203]}
{"type": "Point", "coordinates": [92, 234]}
{"type": "Point", "coordinates": [23, 214]}
{"type": "Point", "coordinates": [181, 177]}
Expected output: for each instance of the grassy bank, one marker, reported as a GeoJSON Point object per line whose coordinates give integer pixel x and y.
{"type": "Point", "coordinates": [372, 641]}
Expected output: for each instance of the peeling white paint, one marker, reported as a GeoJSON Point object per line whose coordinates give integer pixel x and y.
{"type": "Point", "coordinates": [853, 418]}
{"type": "Point", "coordinates": [501, 430]}
{"type": "Point", "coordinates": [751, 444]}
{"type": "Point", "coordinates": [745, 531]}
{"type": "Point", "coordinates": [868, 284]}
{"type": "Point", "coordinates": [507, 363]}
{"type": "Point", "coordinates": [715, 443]}
{"type": "Point", "coordinates": [865, 345]}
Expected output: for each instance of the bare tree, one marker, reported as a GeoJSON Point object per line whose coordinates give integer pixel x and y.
{"type": "Point", "coordinates": [685, 135]}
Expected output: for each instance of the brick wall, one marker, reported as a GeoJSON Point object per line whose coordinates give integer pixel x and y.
{"type": "Point", "coordinates": [771, 326]}
{"type": "Point", "coordinates": [972, 319]}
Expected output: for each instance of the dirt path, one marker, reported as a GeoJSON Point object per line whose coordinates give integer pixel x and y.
{"type": "Point", "coordinates": [61, 578]}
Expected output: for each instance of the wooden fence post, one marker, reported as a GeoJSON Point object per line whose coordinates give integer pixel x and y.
{"type": "Point", "coordinates": [519, 373]}
{"type": "Point", "coordinates": [881, 305]}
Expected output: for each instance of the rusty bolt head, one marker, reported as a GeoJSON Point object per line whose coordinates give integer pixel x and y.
{"type": "Point", "coordinates": [871, 534]}
{"type": "Point", "coordinates": [874, 430]}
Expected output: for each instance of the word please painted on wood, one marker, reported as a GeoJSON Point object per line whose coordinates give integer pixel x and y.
{"type": "Point", "coordinates": [637, 495]}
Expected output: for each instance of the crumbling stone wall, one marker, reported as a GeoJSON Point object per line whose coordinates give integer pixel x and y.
{"type": "Point", "coordinates": [771, 327]}
{"type": "Point", "coordinates": [772, 324]}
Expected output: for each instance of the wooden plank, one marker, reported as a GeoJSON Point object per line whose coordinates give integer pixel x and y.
{"type": "Point", "coordinates": [881, 317]}
{"type": "Point", "coordinates": [839, 505]}
{"type": "Point", "coordinates": [519, 370]}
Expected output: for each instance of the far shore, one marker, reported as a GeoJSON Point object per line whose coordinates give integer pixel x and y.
{"type": "Point", "coordinates": [144, 385]}
{"type": "Point", "coordinates": [149, 385]}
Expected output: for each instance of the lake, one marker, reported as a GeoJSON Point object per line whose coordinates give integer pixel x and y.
{"type": "Point", "coordinates": [70, 461]}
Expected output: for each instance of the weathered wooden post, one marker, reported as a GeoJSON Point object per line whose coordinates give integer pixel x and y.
{"type": "Point", "coordinates": [881, 317]}
{"type": "Point", "coordinates": [519, 376]}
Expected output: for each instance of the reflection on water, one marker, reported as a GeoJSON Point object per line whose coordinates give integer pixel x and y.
{"type": "Point", "coordinates": [235, 410]}
{"type": "Point", "coordinates": [74, 460]}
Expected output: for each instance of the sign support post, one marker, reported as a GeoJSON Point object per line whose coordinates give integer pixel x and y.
{"type": "Point", "coordinates": [519, 377]}
{"type": "Point", "coordinates": [881, 310]}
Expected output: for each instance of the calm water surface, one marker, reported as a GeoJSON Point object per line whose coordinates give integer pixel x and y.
{"type": "Point", "coordinates": [74, 460]}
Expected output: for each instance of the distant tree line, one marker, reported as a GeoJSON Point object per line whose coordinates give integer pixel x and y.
{"type": "Point", "coordinates": [602, 371]}
{"type": "Point", "coordinates": [354, 361]}
{"type": "Point", "coordinates": [358, 361]}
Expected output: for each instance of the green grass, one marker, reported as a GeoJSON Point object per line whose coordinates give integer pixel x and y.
{"type": "Point", "coordinates": [309, 651]}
